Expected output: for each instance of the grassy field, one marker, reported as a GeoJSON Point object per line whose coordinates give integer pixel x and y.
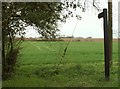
{"type": "Point", "coordinates": [82, 66]}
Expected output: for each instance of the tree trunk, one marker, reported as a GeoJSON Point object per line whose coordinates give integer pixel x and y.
{"type": "Point", "coordinates": [3, 54]}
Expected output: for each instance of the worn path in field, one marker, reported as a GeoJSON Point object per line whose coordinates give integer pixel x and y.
{"type": "Point", "coordinates": [39, 46]}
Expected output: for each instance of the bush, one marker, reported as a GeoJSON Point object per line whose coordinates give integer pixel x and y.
{"type": "Point", "coordinates": [9, 63]}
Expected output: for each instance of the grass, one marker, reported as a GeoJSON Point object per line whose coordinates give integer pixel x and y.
{"type": "Point", "coordinates": [83, 65]}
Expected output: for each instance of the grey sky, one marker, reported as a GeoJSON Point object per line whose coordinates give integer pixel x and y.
{"type": "Point", "coordinates": [89, 25]}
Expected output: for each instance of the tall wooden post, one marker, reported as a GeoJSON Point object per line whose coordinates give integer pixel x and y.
{"type": "Point", "coordinates": [110, 29]}
{"type": "Point", "coordinates": [106, 44]}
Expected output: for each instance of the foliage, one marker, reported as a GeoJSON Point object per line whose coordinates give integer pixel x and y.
{"type": "Point", "coordinates": [11, 26]}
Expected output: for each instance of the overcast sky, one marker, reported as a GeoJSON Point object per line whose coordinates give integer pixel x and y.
{"type": "Point", "coordinates": [88, 26]}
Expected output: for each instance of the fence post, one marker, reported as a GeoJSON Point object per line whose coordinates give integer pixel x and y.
{"type": "Point", "coordinates": [106, 44]}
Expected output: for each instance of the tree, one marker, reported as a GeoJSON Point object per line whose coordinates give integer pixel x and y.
{"type": "Point", "coordinates": [11, 26]}
{"type": "Point", "coordinates": [16, 16]}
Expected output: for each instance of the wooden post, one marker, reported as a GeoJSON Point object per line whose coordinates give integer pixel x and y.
{"type": "Point", "coordinates": [106, 44]}
{"type": "Point", "coordinates": [110, 29]}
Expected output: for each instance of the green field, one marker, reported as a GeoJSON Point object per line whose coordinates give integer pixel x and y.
{"type": "Point", "coordinates": [82, 66]}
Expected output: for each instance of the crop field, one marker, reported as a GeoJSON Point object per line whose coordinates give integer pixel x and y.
{"type": "Point", "coordinates": [41, 64]}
